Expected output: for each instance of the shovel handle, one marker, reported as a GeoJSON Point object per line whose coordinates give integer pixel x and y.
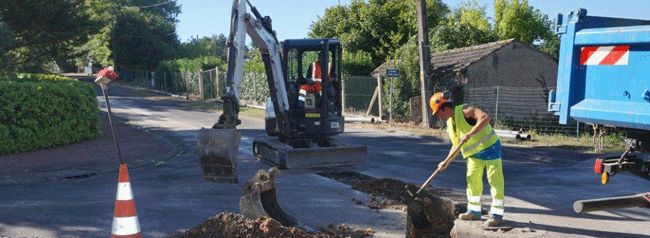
{"type": "Point", "coordinates": [453, 152]}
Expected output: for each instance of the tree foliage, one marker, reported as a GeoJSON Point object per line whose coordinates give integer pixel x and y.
{"type": "Point", "coordinates": [44, 30]}
{"type": "Point", "coordinates": [190, 65]}
{"type": "Point", "coordinates": [521, 21]}
{"type": "Point", "coordinates": [518, 20]}
{"type": "Point", "coordinates": [377, 27]}
{"type": "Point", "coordinates": [454, 35]}
{"type": "Point", "coordinates": [358, 63]}
{"type": "Point", "coordinates": [206, 46]}
{"type": "Point", "coordinates": [140, 40]}
{"type": "Point", "coordinates": [472, 14]}
{"type": "Point", "coordinates": [135, 33]}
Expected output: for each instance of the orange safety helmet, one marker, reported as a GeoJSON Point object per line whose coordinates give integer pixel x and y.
{"type": "Point", "coordinates": [438, 99]}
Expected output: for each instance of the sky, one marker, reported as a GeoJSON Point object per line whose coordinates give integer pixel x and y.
{"type": "Point", "coordinates": [293, 18]}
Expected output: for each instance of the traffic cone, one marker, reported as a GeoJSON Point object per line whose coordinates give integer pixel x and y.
{"type": "Point", "coordinates": [125, 219]}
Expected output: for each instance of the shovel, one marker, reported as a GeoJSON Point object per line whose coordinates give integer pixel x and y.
{"type": "Point", "coordinates": [416, 209]}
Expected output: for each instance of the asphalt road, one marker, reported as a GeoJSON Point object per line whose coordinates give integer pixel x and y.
{"type": "Point", "coordinates": [541, 185]}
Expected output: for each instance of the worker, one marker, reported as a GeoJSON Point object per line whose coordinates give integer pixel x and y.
{"type": "Point", "coordinates": [314, 81]}
{"type": "Point", "coordinates": [105, 76]}
{"type": "Point", "coordinates": [469, 127]}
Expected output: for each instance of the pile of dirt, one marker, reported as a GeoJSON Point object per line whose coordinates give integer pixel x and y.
{"type": "Point", "coordinates": [228, 225]}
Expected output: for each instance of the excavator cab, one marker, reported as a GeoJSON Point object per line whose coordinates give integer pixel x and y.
{"type": "Point", "coordinates": [314, 95]}
{"type": "Point", "coordinates": [303, 139]}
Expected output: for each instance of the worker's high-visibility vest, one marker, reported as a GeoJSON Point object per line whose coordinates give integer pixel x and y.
{"type": "Point", "coordinates": [458, 126]}
{"type": "Point", "coordinates": [316, 72]}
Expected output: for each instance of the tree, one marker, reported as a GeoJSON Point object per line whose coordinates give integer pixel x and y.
{"type": "Point", "coordinates": [520, 21]}
{"type": "Point", "coordinates": [472, 14]}
{"type": "Point", "coordinates": [135, 33]}
{"type": "Point", "coordinates": [467, 25]}
{"type": "Point", "coordinates": [377, 27]}
{"type": "Point", "coordinates": [551, 45]}
{"type": "Point", "coordinates": [45, 30]}
{"type": "Point", "coordinates": [141, 40]}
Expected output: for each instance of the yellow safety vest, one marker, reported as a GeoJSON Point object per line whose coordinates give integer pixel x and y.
{"type": "Point", "coordinates": [458, 126]}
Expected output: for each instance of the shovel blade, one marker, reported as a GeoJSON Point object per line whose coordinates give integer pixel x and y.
{"type": "Point", "coordinates": [217, 151]}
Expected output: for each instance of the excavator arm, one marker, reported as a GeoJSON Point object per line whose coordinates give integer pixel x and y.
{"type": "Point", "coordinates": [260, 31]}
{"type": "Point", "coordinates": [217, 147]}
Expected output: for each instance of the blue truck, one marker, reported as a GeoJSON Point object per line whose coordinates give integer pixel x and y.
{"type": "Point", "coordinates": [604, 80]}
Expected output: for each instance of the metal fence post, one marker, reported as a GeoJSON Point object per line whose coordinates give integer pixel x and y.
{"type": "Point", "coordinates": [496, 109]}
{"type": "Point", "coordinates": [255, 86]}
{"type": "Point", "coordinates": [201, 89]}
{"type": "Point", "coordinates": [153, 80]}
{"type": "Point", "coordinates": [165, 79]}
{"type": "Point", "coordinates": [175, 81]}
{"type": "Point", "coordinates": [391, 101]}
{"type": "Point", "coordinates": [381, 86]}
{"type": "Point", "coordinates": [218, 82]}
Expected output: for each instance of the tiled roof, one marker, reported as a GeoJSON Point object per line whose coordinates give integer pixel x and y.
{"type": "Point", "coordinates": [382, 68]}
{"type": "Point", "coordinates": [455, 60]}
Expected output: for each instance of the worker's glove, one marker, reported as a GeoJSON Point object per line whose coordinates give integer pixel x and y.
{"type": "Point", "coordinates": [105, 76]}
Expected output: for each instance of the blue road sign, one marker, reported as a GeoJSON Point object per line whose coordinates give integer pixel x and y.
{"type": "Point", "coordinates": [392, 72]}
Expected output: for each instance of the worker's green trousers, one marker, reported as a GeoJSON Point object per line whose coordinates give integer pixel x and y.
{"type": "Point", "coordinates": [475, 167]}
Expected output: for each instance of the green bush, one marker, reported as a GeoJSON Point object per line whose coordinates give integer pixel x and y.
{"type": "Point", "coordinates": [42, 77]}
{"type": "Point", "coordinates": [190, 65]}
{"type": "Point", "coordinates": [42, 111]}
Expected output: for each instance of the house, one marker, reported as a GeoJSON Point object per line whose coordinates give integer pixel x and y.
{"type": "Point", "coordinates": [507, 64]}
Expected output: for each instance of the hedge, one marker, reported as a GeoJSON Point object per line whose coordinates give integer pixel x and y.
{"type": "Point", "coordinates": [42, 111]}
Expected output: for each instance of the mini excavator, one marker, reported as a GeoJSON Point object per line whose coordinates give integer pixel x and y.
{"type": "Point", "coordinates": [299, 132]}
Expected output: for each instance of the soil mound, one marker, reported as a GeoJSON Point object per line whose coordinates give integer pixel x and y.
{"type": "Point", "coordinates": [229, 225]}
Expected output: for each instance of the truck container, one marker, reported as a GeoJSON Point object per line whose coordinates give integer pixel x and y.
{"type": "Point", "coordinates": [604, 80]}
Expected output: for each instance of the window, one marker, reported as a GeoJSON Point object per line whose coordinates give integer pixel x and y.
{"type": "Point", "coordinates": [292, 66]}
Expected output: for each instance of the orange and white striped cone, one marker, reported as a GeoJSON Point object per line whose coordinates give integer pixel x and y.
{"type": "Point", "coordinates": [125, 220]}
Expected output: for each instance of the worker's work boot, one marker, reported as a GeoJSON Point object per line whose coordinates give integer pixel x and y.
{"type": "Point", "coordinates": [468, 216]}
{"type": "Point", "coordinates": [493, 221]}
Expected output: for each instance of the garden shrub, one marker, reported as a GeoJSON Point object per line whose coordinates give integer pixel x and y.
{"type": "Point", "coordinates": [42, 111]}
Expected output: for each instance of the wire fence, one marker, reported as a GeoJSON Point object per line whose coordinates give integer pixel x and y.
{"type": "Point", "coordinates": [210, 84]}
{"type": "Point", "coordinates": [359, 91]}
{"type": "Point", "coordinates": [511, 108]}
{"type": "Point", "coordinates": [520, 109]}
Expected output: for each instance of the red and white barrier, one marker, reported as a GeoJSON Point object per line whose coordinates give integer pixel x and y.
{"type": "Point", "coordinates": [125, 219]}
{"type": "Point", "coordinates": [605, 55]}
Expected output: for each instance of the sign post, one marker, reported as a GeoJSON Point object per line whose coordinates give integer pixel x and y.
{"type": "Point", "coordinates": [391, 73]}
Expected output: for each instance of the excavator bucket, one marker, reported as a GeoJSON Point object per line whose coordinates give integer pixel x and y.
{"type": "Point", "coordinates": [260, 199]}
{"type": "Point", "coordinates": [217, 150]}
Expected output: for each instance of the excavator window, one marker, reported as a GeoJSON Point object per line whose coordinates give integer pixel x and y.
{"type": "Point", "coordinates": [292, 66]}
{"type": "Point", "coordinates": [307, 58]}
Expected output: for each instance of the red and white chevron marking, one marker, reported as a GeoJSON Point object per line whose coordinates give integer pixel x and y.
{"type": "Point", "coordinates": [125, 218]}
{"type": "Point", "coordinates": [605, 55]}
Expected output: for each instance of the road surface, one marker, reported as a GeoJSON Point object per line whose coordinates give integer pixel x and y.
{"type": "Point", "coordinates": [171, 196]}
